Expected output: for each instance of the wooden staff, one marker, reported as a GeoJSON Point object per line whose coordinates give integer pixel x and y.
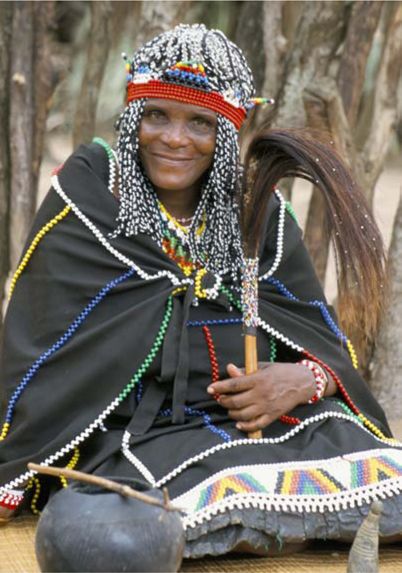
{"type": "Point", "coordinates": [108, 484]}
{"type": "Point", "coordinates": [250, 315]}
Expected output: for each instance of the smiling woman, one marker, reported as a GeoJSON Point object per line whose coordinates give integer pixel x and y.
{"type": "Point", "coordinates": [123, 347]}
{"type": "Point", "coordinates": [177, 144]}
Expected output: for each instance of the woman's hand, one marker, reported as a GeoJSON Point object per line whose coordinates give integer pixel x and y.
{"type": "Point", "coordinates": [258, 399]}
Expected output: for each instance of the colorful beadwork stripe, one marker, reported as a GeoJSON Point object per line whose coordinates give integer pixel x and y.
{"type": "Point", "coordinates": [35, 242]}
{"type": "Point", "coordinates": [305, 486]}
{"type": "Point", "coordinates": [44, 357]}
{"type": "Point", "coordinates": [227, 486]}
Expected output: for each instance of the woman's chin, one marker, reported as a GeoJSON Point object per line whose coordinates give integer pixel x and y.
{"type": "Point", "coordinates": [171, 184]}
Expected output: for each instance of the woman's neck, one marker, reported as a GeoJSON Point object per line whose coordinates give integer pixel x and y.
{"type": "Point", "coordinates": [180, 204]}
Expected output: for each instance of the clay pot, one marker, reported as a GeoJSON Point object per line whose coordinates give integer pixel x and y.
{"type": "Point", "coordinates": [87, 528]}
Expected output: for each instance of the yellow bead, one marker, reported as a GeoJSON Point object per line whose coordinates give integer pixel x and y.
{"type": "Point", "coordinates": [39, 236]}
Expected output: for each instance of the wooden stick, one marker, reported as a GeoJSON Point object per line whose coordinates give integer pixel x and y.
{"type": "Point", "coordinates": [250, 351]}
{"type": "Point", "coordinates": [122, 489]}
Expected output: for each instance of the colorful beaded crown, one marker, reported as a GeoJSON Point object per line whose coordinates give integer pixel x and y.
{"type": "Point", "coordinates": [211, 73]}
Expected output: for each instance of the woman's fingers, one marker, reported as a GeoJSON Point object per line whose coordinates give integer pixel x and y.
{"type": "Point", "coordinates": [244, 414]}
{"type": "Point", "coordinates": [254, 425]}
{"type": "Point", "coordinates": [231, 385]}
{"type": "Point", "coordinates": [236, 401]}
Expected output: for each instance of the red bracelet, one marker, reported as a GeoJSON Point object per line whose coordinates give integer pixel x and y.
{"type": "Point", "coordinates": [321, 380]}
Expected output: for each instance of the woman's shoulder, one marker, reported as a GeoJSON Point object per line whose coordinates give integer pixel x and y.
{"type": "Point", "coordinates": [92, 156]}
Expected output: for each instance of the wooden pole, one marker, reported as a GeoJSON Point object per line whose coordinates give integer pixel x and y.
{"type": "Point", "coordinates": [105, 483]}
{"type": "Point", "coordinates": [250, 352]}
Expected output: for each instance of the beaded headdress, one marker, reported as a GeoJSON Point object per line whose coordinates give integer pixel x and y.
{"type": "Point", "coordinates": [199, 66]}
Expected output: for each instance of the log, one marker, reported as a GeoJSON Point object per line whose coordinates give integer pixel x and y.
{"type": "Point", "coordinates": [22, 203]}
{"type": "Point", "coordinates": [97, 52]}
{"type": "Point", "coordinates": [5, 40]}
{"type": "Point", "coordinates": [380, 115]}
{"type": "Point", "coordinates": [362, 26]}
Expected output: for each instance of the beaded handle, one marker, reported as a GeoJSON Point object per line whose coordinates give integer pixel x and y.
{"type": "Point", "coordinates": [250, 315]}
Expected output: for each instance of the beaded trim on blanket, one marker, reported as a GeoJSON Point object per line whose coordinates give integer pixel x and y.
{"type": "Point", "coordinates": [325, 485]}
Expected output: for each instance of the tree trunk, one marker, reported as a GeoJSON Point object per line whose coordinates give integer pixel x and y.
{"type": "Point", "coordinates": [386, 365]}
{"type": "Point", "coordinates": [46, 79]}
{"type": "Point", "coordinates": [22, 204]}
{"type": "Point", "coordinates": [352, 67]}
{"type": "Point", "coordinates": [98, 48]}
{"type": "Point", "coordinates": [381, 118]}
{"type": "Point", "coordinates": [5, 40]}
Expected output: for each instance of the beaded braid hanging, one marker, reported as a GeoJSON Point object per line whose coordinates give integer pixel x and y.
{"type": "Point", "coordinates": [206, 61]}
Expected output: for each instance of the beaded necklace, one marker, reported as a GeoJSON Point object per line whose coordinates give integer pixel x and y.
{"type": "Point", "coordinates": [175, 241]}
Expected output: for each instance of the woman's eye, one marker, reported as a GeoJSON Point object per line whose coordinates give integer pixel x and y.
{"type": "Point", "coordinates": [203, 123]}
{"type": "Point", "coordinates": [154, 114]}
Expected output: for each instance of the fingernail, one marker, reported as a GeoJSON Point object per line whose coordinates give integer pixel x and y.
{"type": "Point", "coordinates": [210, 390]}
{"type": "Point", "coordinates": [239, 426]}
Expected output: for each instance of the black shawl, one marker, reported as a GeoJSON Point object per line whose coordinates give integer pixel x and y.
{"type": "Point", "coordinates": [80, 376]}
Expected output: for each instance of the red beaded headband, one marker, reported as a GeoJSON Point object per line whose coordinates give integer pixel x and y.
{"type": "Point", "coordinates": [210, 100]}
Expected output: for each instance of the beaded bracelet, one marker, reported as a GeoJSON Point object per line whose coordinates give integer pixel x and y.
{"type": "Point", "coordinates": [320, 377]}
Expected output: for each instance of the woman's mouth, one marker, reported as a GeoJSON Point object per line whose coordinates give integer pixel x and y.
{"type": "Point", "coordinates": [172, 159]}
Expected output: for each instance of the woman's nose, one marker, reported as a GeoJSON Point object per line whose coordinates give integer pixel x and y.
{"type": "Point", "coordinates": [175, 134]}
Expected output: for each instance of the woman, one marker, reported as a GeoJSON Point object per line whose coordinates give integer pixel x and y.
{"type": "Point", "coordinates": [123, 351]}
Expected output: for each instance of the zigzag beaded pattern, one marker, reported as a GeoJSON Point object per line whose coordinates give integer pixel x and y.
{"type": "Point", "coordinates": [35, 242]}
{"type": "Point", "coordinates": [106, 244]}
{"type": "Point", "coordinates": [322, 485]}
{"type": "Point", "coordinates": [98, 422]}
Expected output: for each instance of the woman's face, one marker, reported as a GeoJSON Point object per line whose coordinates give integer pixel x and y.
{"type": "Point", "coordinates": [177, 144]}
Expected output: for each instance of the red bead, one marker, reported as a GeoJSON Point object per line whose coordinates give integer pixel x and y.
{"type": "Point", "coordinates": [212, 354]}
{"type": "Point", "coordinates": [210, 100]}
{"type": "Point", "coordinates": [290, 420]}
{"type": "Point", "coordinates": [337, 380]}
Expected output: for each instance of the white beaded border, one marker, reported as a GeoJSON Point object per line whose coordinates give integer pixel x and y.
{"type": "Point", "coordinates": [113, 166]}
{"type": "Point", "coordinates": [265, 326]}
{"type": "Point", "coordinates": [106, 244]}
{"type": "Point", "coordinates": [279, 238]}
{"type": "Point", "coordinates": [267, 441]}
{"type": "Point", "coordinates": [300, 504]}
{"type": "Point", "coordinates": [284, 466]}
{"type": "Point", "coordinates": [125, 448]}
{"type": "Point", "coordinates": [84, 435]}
